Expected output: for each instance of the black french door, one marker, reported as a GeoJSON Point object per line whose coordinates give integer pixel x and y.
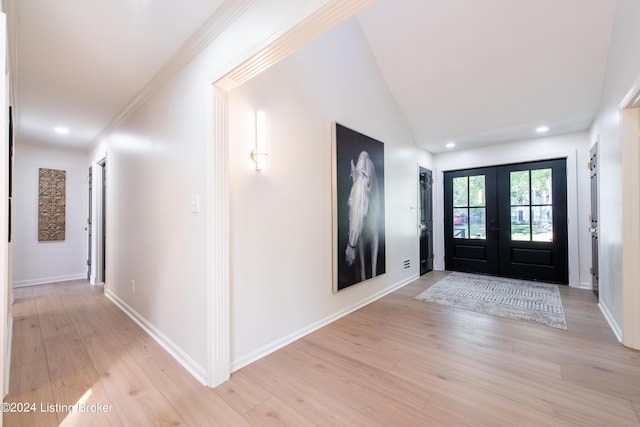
{"type": "Point", "coordinates": [508, 220]}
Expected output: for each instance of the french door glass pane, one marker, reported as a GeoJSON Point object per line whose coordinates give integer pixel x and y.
{"type": "Point", "coordinates": [476, 190]}
{"type": "Point", "coordinates": [478, 223]}
{"type": "Point", "coordinates": [542, 223]}
{"type": "Point", "coordinates": [460, 223]}
{"type": "Point", "coordinates": [519, 184]}
{"type": "Point", "coordinates": [461, 191]}
{"type": "Point", "coordinates": [520, 223]}
{"type": "Point", "coordinates": [541, 187]}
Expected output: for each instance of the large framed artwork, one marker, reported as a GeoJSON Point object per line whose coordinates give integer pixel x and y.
{"type": "Point", "coordinates": [358, 201]}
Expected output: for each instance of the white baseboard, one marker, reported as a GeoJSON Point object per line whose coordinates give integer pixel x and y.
{"type": "Point", "coordinates": [611, 320]}
{"type": "Point", "coordinates": [172, 348]}
{"type": "Point", "coordinates": [278, 344]}
{"type": "Point", "coordinates": [43, 280]}
{"type": "Point", "coordinates": [7, 368]}
{"type": "Point", "coordinates": [585, 285]}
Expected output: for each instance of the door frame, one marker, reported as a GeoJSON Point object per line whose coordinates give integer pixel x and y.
{"type": "Point", "coordinates": [98, 222]}
{"type": "Point", "coordinates": [492, 254]}
{"type": "Point", "coordinates": [524, 152]}
{"type": "Point", "coordinates": [260, 57]}
{"type": "Point", "coordinates": [630, 153]}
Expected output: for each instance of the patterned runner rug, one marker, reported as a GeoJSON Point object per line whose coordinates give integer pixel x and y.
{"type": "Point", "coordinates": [516, 299]}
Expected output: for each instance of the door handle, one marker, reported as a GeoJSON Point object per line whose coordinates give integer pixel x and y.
{"type": "Point", "coordinates": [422, 227]}
{"type": "Point", "coordinates": [593, 229]}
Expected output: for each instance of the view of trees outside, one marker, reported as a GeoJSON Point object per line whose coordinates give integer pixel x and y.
{"type": "Point", "coordinates": [531, 206]}
{"type": "Point", "coordinates": [469, 212]}
{"type": "Point", "coordinates": [531, 210]}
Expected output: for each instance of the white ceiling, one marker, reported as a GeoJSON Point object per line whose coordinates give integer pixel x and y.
{"type": "Point", "coordinates": [79, 62]}
{"type": "Point", "coordinates": [465, 71]}
{"type": "Point", "coordinates": [480, 72]}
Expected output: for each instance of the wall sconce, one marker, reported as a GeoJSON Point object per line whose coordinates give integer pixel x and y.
{"type": "Point", "coordinates": [259, 154]}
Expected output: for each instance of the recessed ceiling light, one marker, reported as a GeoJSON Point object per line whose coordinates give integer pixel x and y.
{"type": "Point", "coordinates": [61, 130]}
{"type": "Point", "coordinates": [542, 129]}
{"type": "Point", "coordinates": [450, 145]}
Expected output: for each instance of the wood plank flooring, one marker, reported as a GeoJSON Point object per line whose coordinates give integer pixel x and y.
{"type": "Point", "coordinates": [396, 362]}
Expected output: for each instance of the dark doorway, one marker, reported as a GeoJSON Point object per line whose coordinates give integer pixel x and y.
{"type": "Point", "coordinates": [88, 228]}
{"type": "Point", "coordinates": [425, 184]}
{"type": "Point", "coordinates": [593, 167]}
{"type": "Point", "coordinates": [101, 236]}
{"type": "Point", "coordinates": [508, 220]}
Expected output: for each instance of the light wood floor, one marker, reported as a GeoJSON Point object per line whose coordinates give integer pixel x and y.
{"type": "Point", "coordinates": [395, 362]}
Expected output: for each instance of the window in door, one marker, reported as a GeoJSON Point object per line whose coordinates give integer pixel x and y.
{"type": "Point", "coordinates": [531, 205]}
{"type": "Point", "coordinates": [469, 207]}
{"type": "Point", "coordinates": [509, 220]}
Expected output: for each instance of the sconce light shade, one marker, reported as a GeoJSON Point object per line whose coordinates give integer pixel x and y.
{"type": "Point", "coordinates": [259, 153]}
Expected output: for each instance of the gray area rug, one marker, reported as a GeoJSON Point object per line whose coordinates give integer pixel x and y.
{"type": "Point", "coordinates": [512, 298]}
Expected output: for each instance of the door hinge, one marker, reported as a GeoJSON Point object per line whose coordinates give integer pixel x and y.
{"type": "Point", "coordinates": [590, 165]}
{"type": "Point", "coordinates": [88, 262]}
{"type": "Point", "coordinates": [590, 218]}
{"type": "Point", "coordinates": [591, 270]}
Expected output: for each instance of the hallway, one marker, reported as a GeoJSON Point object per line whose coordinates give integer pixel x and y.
{"type": "Point", "coordinates": [396, 361]}
{"type": "Point", "coordinates": [71, 344]}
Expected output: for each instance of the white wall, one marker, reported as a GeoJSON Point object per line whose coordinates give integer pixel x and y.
{"type": "Point", "coordinates": [5, 248]}
{"type": "Point", "coordinates": [574, 147]}
{"type": "Point", "coordinates": [622, 70]}
{"type": "Point", "coordinates": [281, 218]}
{"type": "Point", "coordinates": [41, 262]}
{"type": "Point", "coordinates": [156, 165]}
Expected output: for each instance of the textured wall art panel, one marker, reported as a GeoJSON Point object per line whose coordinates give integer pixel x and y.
{"type": "Point", "coordinates": [51, 204]}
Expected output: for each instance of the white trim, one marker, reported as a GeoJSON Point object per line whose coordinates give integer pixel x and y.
{"type": "Point", "coordinates": [295, 33]}
{"type": "Point", "coordinates": [97, 211]}
{"type": "Point", "coordinates": [291, 36]}
{"type": "Point", "coordinates": [174, 350]}
{"type": "Point", "coordinates": [632, 98]}
{"type": "Point", "coordinates": [212, 28]}
{"type": "Point", "coordinates": [585, 285]}
{"type": "Point", "coordinates": [218, 244]}
{"type": "Point", "coordinates": [6, 248]}
{"type": "Point", "coordinates": [7, 362]}
{"type": "Point", "coordinates": [278, 344]}
{"type": "Point", "coordinates": [610, 320]}
{"type": "Point", "coordinates": [630, 157]}
{"type": "Point", "coordinates": [52, 279]}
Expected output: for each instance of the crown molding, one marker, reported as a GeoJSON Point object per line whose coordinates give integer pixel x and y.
{"type": "Point", "coordinates": [632, 98]}
{"type": "Point", "coordinates": [289, 38]}
{"type": "Point", "coordinates": [212, 28]}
